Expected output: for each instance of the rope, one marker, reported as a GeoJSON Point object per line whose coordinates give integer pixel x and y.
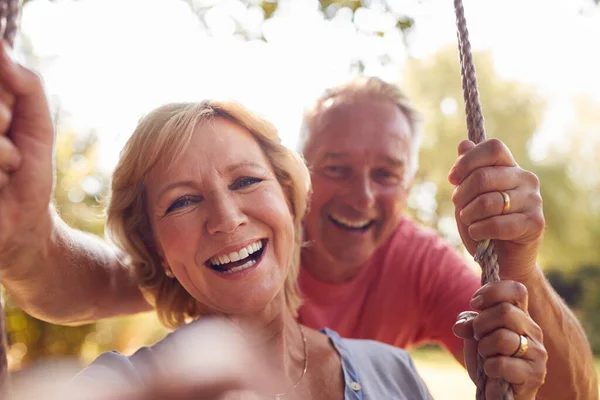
{"type": "Point", "coordinates": [485, 255]}
{"type": "Point", "coordinates": [9, 19]}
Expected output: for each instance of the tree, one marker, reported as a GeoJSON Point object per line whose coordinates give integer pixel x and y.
{"type": "Point", "coordinates": [512, 113]}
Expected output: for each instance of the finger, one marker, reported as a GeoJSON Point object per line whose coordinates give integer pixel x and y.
{"type": "Point", "coordinates": [12, 74]}
{"type": "Point", "coordinates": [6, 97]}
{"type": "Point", "coordinates": [518, 228]}
{"type": "Point", "coordinates": [471, 358]}
{"type": "Point", "coordinates": [486, 179]}
{"type": "Point", "coordinates": [488, 153]}
{"type": "Point", "coordinates": [495, 389]}
{"type": "Point", "coordinates": [492, 204]}
{"type": "Point", "coordinates": [3, 179]}
{"type": "Point", "coordinates": [10, 158]}
{"type": "Point", "coordinates": [497, 292]}
{"type": "Point", "coordinates": [5, 119]}
{"type": "Point", "coordinates": [503, 315]}
{"type": "Point", "coordinates": [30, 106]}
{"type": "Point", "coordinates": [501, 342]}
{"type": "Point", "coordinates": [523, 375]}
{"type": "Point", "coordinates": [464, 146]}
{"type": "Point", "coordinates": [463, 327]}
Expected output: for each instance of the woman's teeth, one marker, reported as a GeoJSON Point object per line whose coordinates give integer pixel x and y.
{"type": "Point", "coordinates": [241, 254]}
{"type": "Point", "coordinates": [240, 267]}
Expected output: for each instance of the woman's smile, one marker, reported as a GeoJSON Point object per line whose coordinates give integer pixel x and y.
{"type": "Point", "coordinates": [238, 263]}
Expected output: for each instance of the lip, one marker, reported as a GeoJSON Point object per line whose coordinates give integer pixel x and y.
{"type": "Point", "coordinates": [245, 272]}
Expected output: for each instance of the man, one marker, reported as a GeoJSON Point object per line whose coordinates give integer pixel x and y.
{"type": "Point", "coordinates": [368, 271]}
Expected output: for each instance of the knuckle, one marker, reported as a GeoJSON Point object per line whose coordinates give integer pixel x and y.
{"type": "Point", "coordinates": [519, 290]}
{"type": "Point", "coordinates": [496, 146]}
{"type": "Point", "coordinates": [537, 333]}
{"type": "Point", "coordinates": [531, 178]}
{"type": "Point", "coordinates": [487, 204]}
{"type": "Point", "coordinates": [505, 310]}
{"type": "Point", "coordinates": [538, 222]}
{"type": "Point", "coordinates": [483, 179]}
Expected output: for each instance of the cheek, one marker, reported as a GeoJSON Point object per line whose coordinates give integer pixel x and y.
{"type": "Point", "coordinates": [176, 236]}
{"type": "Point", "coordinates": [393, 201]}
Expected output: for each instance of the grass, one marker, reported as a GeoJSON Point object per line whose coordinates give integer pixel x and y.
{"type": "Point", "coordinates": [446, 378]}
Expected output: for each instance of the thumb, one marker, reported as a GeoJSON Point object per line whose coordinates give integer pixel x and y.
{"type": "Point", "coordinates": [463, 328]}
{"type": "Point", "coordinates": [31, 114]}
{"type": "Point", "coordinates": [465, 146]}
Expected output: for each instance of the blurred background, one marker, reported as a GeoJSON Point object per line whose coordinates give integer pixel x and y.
{"type": "Point", "coordinates": [107, 62]}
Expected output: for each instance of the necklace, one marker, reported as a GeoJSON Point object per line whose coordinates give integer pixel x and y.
{"type": "Point", "coordinates": [280, 395]}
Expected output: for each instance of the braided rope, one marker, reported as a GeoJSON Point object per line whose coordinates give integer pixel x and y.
{"type": "Point", "coordinates": [485, 255]}
{"type": "Point", "coordinates": [9, 20]}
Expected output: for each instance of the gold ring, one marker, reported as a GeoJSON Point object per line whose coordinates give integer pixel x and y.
{"type": "Point", "coordinates": [523, 346]}
{"type": "Point", "coordinates": [506, 199]}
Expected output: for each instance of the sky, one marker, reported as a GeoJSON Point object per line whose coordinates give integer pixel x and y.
{"type": "Point", "coordinates": [107, 62]}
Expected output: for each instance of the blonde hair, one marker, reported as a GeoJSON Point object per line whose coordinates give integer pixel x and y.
{"type": "Point", "coordinates": [166, 132]}
{"type": "Point", "coordinates": [362, 87]}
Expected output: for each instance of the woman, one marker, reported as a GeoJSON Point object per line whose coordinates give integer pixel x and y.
{"type": "Point", "coordinates": [209, 205]}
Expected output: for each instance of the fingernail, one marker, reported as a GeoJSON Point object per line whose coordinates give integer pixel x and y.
{"type": "Point", "coordinates": [464, 315]}
{"type": "Point", "coordinates": [476, 302]}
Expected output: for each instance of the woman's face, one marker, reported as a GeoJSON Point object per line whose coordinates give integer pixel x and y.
{"type": "Point", "coordinates": [221, 221]}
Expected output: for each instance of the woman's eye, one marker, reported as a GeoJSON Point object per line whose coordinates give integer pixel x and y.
{"type": "Point", "coordinates": [244, 182]}
{"type": "Point", "coordinates": [181, 202]}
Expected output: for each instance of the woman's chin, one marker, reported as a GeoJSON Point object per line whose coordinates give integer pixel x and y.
{"type": "Point", "coordinates": [247, 304]}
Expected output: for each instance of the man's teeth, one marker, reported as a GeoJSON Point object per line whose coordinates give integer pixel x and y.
{"type": "Point", "coordinates": [237, 255]}
{"type": "Point", "coordinates": [351, 224]}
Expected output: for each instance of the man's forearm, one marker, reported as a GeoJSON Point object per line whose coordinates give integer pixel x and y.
{"type": "Point", "coordinates": [571, 373]}
{"type": "Point", "coordinates": [66, 276]}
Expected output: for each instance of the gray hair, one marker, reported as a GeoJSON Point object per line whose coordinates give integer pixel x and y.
{"type": "Point", "coordinates": [368, 87]}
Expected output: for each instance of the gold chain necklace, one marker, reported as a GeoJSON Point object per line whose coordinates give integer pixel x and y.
{"type": "Point", "coordinates": [280, 395]}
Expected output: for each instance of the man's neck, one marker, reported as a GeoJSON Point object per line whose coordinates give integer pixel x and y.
{"type": "Point", "coordinates": [328, 270]}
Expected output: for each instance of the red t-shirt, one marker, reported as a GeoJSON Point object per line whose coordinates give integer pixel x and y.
{"type": "Point", "coordinates": [410, 293]}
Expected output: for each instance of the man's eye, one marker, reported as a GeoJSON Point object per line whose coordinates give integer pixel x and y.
{"type": "Point", "coordinates": [182, 202]}
{"type": "Point", "coordinates": [244, 182]}
{"type": "Point", "coordinates": [337, 171]}
{"type": "Point", "coordinates": [386, 177]}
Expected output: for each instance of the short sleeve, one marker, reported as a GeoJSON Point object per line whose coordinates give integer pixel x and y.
{"type": "Point", "coordinates": [447, 285]}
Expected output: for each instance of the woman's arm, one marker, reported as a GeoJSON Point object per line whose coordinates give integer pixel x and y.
{"type": "Point", "coordinates": [54, 272]}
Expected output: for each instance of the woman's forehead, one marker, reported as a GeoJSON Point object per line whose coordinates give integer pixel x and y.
{"type": "Point", "coordinates": [217, 144]}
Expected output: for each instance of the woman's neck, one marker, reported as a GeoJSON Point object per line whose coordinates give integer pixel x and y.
{"type": "Point", "coordinates": [277, 338]}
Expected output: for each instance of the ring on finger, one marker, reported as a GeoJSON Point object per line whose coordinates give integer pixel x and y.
{"type": "Point", "coordinates": [523, 346]}
{"type": "Point", "coordinates": [506, 199]}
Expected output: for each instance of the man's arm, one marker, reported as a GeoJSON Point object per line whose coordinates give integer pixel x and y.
{"type": "Point", "coordinates": [570, 365]}
{"type": "Point", "coordinates": [571, 373]}
{"type": "Point", "coordinates": [65, 276]}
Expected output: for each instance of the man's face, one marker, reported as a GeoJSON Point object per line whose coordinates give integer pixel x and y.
{"type": "Point", "coordinates": [359, 156]}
